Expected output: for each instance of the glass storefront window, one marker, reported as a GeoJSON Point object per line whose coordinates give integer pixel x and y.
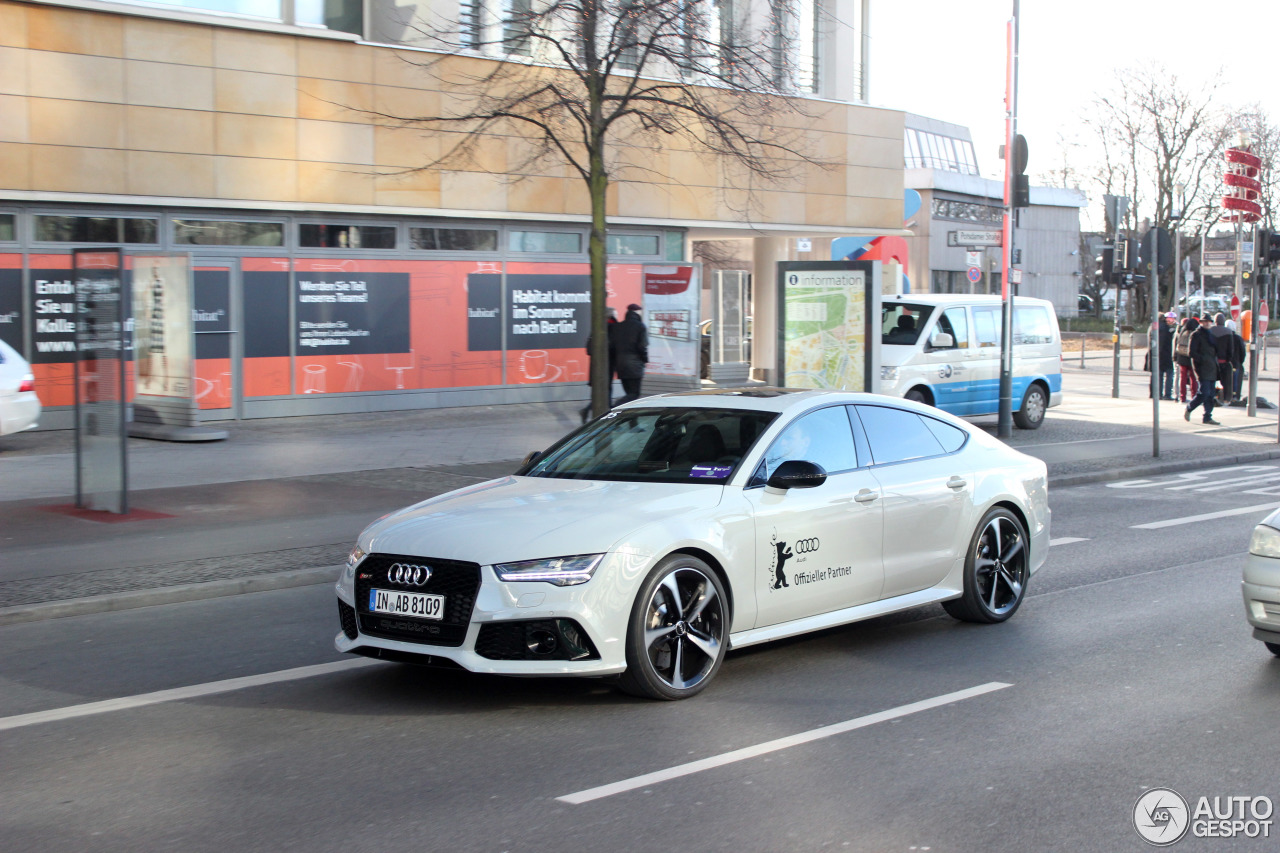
{"type": "Point", "coordinates": [632, 244]}
{"type": "Point", "coordinates": [326, 236]}
{"type": "Point", "coordinates": [8, 227]}
{"type": "Point", "coordinates": [675, 246]}
{"type": "Point", "coordinates": [549, 242]}
{"type": "Point", "coordinates": [342, 15]}
{"type": "Point", "coordinates": [453, 239]}
{"type": "Point", "coordinates": [220, 232]}
{"type": "Point", "coordinates": [96, 229]}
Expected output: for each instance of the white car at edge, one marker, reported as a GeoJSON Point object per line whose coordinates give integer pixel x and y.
{"type": "Point", "coordinates": [19, 405]}
{"type": "Point", "coordinates": [647, 543]}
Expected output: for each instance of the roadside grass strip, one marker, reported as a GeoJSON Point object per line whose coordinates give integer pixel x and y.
{"type": "Point", "coordinates": [776, 745]}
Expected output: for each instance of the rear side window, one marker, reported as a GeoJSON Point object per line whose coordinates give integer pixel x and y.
{"type": "Point", "coordinates": [951, 438]}
{"type": "Point", "coordinates": [986, 327]}
{"type": "Point", "coordinates": [896, 435]}
{"type": "Point", "coordinates": [1031, 325]}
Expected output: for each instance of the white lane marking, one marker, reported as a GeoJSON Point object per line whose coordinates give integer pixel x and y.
{"type": "Point", "coordinates": [1208, 516]}
{"type": "Point", "coordinates": [776, 745]}
{"type": "Point", "coordinates": [1066, 540]}
{"type": "Point", "coordinates": [179, 693]}
{"type": "Point", "coordinates": [1200, 480]}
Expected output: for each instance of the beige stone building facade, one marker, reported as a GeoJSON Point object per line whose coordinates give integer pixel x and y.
{"type": "Point", "coordinates": [253, 145]}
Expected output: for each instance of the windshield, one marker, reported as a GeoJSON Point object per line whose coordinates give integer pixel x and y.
{"type": "Point", "coordinates": [658, 445]}
{"type": "Point", "coordinates": [902, 322]}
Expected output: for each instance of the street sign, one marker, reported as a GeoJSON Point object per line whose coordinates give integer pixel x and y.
{"type": "Point", "coordinates": [973, 259]}
{"type": "Point", "coordinates": [1262, 318]}
{"type": "Point", "coordinates": [1235, 307]}
{"type": "Point", "coordinates": [1015, 276]}
{"type": "Point", "coordinates": [975, 273]}
{"type": "Point", "coordinates": [974, 238]}
{"type": "Point", "coordinates": [804, 245]}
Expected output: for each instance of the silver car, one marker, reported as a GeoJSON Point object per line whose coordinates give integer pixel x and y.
{"type": "Point", "coordinates": [1261, 584]}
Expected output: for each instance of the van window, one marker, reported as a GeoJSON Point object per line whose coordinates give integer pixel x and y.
{"type": "Point", "coordinates": [986, 326]}
{"type": "Point", "coordinates": [902, 322]}
{"type": "Point", "coordinates": [1031, 325]}
{"type": "Point", "coordinates": [954, 323]}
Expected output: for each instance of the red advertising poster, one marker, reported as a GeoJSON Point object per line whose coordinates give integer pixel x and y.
{"type": "Point", "coordinates": [370, 325]}
{"type": "Point", "coordinates": [266, 365]}
{"type": "Point", "coordinates": [51, 328]}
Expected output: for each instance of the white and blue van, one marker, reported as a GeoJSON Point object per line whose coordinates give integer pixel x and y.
{"type": "Point", "coordinates": [944, 350]}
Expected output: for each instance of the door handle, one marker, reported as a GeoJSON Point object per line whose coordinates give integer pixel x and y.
{"type": "Point", "coordinates": [956, 483]}
{"type": "Point", "coordinates": [865, 496]}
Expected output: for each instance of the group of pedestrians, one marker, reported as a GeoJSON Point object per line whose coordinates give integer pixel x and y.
{"type": "Point", "coordinates": [1206, 355]}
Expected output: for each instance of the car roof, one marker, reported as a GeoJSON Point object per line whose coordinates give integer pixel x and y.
{"type": "Point", "coordinates": [760, 398]}
{"type": "Point", "coordinates": [953, 298]}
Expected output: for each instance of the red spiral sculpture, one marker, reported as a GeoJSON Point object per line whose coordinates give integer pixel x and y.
{"type": "Point", "coordinates": [1243, 187]}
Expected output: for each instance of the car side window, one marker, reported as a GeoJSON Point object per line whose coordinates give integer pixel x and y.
{"type": "Point", "coordinates": [950, 437]}
{"type": "Point", "coordinates": [896, 435]}
{"type": "Point", "coordinates": [824, 437]}
{"type": "Point", "coordinates": [957, 325]}
{"type": "Point", "coordinates": [1031, 325]}
{"type": "Point", "coordinates": [986, 327]}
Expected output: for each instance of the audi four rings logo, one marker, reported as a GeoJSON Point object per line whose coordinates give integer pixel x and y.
{"type": "Point", "coordinates": [409, 574]}
{"type": "Point", "coordinates": [806, 546]}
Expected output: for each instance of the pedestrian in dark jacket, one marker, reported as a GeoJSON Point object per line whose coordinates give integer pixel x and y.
{"type": "Point", "coordinates": [630, 353]}
{"type": "Point", "coordinates": [611, 323]}
{"type": "Point", "coordinates": [1204, 358]}
{"type": "Point", "coordinates": [1224, 346]}
{"type": "Point", "coordinates": [1182, 355]}
{"type": "Point", "coordinates": [1165, 336]}
{"type": "Point", "coordinates": [1238, 354]}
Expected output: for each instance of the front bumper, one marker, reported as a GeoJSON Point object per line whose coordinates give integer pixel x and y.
{"type": "Point", "coordinates": [503, 617]}
{"type": "Point", "coordinates": [1261, 590]}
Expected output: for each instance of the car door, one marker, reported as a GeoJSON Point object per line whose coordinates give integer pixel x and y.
{"type": "Point", "coordinates": [951, 366]}
{"type": "Point", "coordinates": [926, 494]}
{"type": "Point", "coordinates": [984, 386]}
{"type": "Point", "coordinates": [817, 549]}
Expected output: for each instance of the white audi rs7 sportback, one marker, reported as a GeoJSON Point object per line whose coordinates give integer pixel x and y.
{"type": "Point", "coordinates": [648, 543]}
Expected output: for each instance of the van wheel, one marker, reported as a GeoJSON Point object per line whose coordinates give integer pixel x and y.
{"type": "Point", "coordinates": [1034, 404]}
{"type": "Point", "coordinates": [915, 395]}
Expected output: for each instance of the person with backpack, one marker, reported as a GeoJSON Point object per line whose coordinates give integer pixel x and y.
{"type": "Point", "coordinates": [1182, 355]}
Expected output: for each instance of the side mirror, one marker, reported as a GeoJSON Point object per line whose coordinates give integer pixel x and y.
{"type": "Point", "coordinates": [531, 458]}
{"type": "Point", "coordinates": [797, 474]}
{"type": "Point", "coordinates": [942, 340]}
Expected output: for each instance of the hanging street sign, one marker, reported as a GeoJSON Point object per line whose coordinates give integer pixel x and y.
{"type": "Point", "coordinates": [974, 238]}
{"type": "Point", "coordinates": [973, 259]}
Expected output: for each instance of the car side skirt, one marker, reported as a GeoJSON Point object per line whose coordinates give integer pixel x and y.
{"type": "Point", "coordinates": [841, 617]}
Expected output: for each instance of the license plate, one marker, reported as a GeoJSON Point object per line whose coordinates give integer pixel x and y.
{"type": "Point", "coordinates": [417, 604]}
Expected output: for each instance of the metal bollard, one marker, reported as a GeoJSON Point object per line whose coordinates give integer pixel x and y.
{"type": "Point", "coordinates": [1082, 341]}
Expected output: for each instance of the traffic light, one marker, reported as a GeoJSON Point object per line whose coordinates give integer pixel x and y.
{"type": "Point", "coordinates": [1021, 183]}
{"type": "Point", "coordinates": [1106, 261]}
{"type": "Point", "coordinates": [1266, 245]}
{"type": "Point", "coordinates": [1126, 254]}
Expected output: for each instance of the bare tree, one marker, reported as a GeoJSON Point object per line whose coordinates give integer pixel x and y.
{"type": "Point", "coordinates": [596, 84]}
{"type": "Point", "coordinates": [1153, 135]}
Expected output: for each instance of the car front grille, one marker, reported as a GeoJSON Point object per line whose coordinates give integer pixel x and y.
{"type": "Point", "coordinates": [535, 639]}
{"type": "Point", "coordinates": [347, 614]}
{"type": "Point", "coordinates": [457, 581]}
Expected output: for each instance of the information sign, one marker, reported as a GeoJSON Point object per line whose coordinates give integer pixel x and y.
{"type": "Point", "coordinates": [99, 341]}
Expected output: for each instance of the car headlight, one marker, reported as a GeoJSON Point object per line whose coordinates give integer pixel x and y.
{"type": "Point", "coordinates": [561, 571]}
{"type": "Point", "coordinates": [1265, 542]}
{"type": "Point", "coordinates": [353, 559]}
{"type": "Point", "coordinates": [888, 373]}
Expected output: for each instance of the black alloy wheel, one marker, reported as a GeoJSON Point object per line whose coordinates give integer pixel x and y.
{"type": "Point", "coordinates": [995, 572]}
{"type": "Point", "coordinates": [678, 632]}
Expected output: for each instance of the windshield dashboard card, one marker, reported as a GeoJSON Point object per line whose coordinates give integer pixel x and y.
{"type": "Point", "coordinates": [419, 605]}
{"type": "Point", "coordinates": [710, 472]}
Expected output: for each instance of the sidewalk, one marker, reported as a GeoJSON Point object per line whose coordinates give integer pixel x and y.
{"type": "Point", "coordinates": [280, 502]}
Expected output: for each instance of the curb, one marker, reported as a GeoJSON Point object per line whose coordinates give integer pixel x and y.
{"type": "Point", "coordinates": [167, 595]}
{"type": "Point", "coordinates": [1171, 467]}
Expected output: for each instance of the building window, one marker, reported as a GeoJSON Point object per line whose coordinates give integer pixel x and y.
{"type": "Point", "coordinates": [96, 229]}
{"type": "Point", "coordinates": [331, 236]}
{"type": "Point", "coordinates": [549, 242]}
{"type": "Point", "coordinates": [675, 246]}
{"type": "Point", "coordinates": [809, 53]}
{"type": "Point", "coordinates": [345, 16]}
{"type": "Point", "coordinates": [470, 35]}
{"type": "Point", "coordinates": [964, 211]}
{"type": "Point", "coordinates": [454, 239]}
{"type": "Point", "coordinates": [516, 27]}
{"type": "Point", "coordinates": [724, 14]}
{"type": "Point", "coordinates": [220, 232]}
{"type": "Point", "coordinates": [632, 244]}
{"type": "Point", "coordinates": [8, 227]}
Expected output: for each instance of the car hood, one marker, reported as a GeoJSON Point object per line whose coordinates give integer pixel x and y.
{"type": "Point", "coordinates": [896, 355]}
{"type": "Point", "coordinates": [525, 518]}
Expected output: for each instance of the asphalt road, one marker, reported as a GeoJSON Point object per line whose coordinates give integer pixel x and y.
{"type": "Point", "coordinates": [1129, 666]}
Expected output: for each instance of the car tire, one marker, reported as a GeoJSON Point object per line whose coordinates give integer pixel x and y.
{"type": "Point", "coordinates": [915, 395]}
{"type": "Point", "coordinates": [1034, 404]}
{"type": "Point", "coordinates": [678, 631]}
{"type": "Point", "coordinates": [996, 570]}
{"type": "Point", "coordinates": [1274, 648]}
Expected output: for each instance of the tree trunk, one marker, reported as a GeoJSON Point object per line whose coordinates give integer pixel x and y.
{"type": "Point", "coordinates": [601, 381]}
